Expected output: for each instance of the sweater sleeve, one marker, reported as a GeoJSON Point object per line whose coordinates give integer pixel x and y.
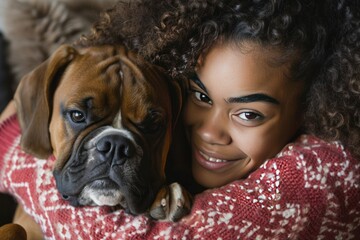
{"type": "Point", "coordinates": [9, 132]}
{"type": "Point", "coordinates": [309, 191]}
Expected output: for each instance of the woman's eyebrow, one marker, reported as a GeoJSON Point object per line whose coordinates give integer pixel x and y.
{"type": "Point", "coordinates": [257, 97]}
{"type": "Point", "coordinates": [195, 79]}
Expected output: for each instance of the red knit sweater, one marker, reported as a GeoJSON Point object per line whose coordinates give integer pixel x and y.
{"type": "Point", "coordinates": [309, 191]}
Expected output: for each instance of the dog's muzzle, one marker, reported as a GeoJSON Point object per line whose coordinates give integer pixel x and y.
{"type": "Point", "coordinates": [108, 168]}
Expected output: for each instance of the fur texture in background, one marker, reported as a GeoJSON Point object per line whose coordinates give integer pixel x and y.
{"type": "Point", "coordinates": [35, 28]}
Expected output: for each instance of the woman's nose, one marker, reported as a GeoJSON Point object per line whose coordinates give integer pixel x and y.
{"type": "Point", "coordinates": [213, 130]}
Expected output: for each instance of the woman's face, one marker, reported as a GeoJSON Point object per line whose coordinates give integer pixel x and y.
{"type": "Point", "coordinates": [240, 112]}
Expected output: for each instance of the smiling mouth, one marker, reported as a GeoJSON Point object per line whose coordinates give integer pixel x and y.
{"type": "Point", "coordinates": [211, 159]}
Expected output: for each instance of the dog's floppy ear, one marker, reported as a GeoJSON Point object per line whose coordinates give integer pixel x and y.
{"type": "Point", "coordinates": [33, 100]}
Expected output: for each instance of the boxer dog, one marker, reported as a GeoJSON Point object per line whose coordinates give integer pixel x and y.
{"type": "Point", "coordinates": [107, 116]}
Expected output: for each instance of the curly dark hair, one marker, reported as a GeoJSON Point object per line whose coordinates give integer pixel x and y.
{"type": "Point", "coordinates": [324, 35]}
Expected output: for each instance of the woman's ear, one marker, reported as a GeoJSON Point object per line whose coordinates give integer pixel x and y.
{"type": "Point", "coordinates": [33, 99]}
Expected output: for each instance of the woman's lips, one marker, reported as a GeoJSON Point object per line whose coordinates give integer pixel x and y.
{"type": "Point", "coordinates": [209, 162]}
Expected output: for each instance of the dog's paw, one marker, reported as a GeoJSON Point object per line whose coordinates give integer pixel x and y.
{"type": "Point", "coordinates": [171, 204]}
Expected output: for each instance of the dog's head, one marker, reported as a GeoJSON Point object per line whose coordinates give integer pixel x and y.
{"type": "Point", "coordinates": [107, 117]}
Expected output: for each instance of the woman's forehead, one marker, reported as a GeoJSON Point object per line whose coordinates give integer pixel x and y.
{"type": "Point", "coordinates": [230, 72]}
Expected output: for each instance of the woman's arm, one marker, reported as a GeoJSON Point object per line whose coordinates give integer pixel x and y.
{"type": "Point", "coordinates": [307, 192]}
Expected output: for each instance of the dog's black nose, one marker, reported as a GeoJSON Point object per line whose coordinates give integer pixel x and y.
{"type": "Point", "coordinates": [115, 148]}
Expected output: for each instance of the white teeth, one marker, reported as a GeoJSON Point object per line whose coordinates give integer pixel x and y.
{"type": "Point", "coordinates": [211, 159]}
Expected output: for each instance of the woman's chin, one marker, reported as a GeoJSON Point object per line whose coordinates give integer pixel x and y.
{"type": "Point", "coordinates": [208, 179]}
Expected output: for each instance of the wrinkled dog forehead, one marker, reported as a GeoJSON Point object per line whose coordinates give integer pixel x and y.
{"type": "Point", "coordinates": [93, 71]}
{"type": "Point", "coordinates": [114, 73]}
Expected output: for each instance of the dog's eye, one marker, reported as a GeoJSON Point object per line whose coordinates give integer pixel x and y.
{"type": "Point", "coordinates": [153, 122]}
{"type": "Point", "coordinates": [77, 116]}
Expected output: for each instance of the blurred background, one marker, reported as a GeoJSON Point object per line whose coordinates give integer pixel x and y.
{"type": "Point", "coordinates": [7, 204]}
{"type": "Point", "coordinates": [5, 92]}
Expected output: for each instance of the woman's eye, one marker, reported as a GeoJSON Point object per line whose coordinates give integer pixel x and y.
{"type": "Point", "coordinates": [202, 97]}
{"type": "Point", "coordinates": [250, 116]}
{"type": "Point", "coordinates": [77, 116]}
